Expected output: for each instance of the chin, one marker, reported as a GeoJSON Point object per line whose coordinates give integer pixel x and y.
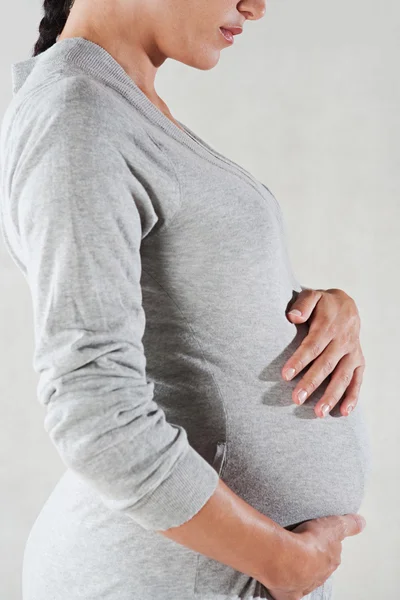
{"type": "Point", "coordinates": [201, 61]}
{"type": "Point", "coordinates": [206, 65]}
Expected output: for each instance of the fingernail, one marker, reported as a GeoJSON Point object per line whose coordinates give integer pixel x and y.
{"type": "Point", "coordinates": [289, 373]}
{"type": "Point", "coordinates": [302, 395]}
{"type": "Point", "coordinates": [349, 408]}
{"type": "Point", "coordinates": [295, 312]}
{"type": "Point", "coordinates": [325, 409]}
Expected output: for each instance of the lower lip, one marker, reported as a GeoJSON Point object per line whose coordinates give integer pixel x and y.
{"type": "Point", "coordinates": [227, 35]}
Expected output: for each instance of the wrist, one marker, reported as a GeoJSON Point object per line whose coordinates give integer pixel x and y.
{"type": "Point", "coordinates": [285, 561]}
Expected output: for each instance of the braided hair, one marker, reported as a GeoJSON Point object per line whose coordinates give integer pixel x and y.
{"type": "Point", "coordinates": [55, 16]}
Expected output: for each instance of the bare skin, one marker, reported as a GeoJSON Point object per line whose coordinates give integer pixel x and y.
{"type": "Point", "coordinates": [140, 35]}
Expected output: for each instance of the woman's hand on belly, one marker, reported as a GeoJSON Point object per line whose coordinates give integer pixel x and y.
{"type": "Point", "coordinates": [333, 337]}
{"type": "Point", "coordinates": [319, 555]}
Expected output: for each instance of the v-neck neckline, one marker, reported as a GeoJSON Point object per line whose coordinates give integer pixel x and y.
{"type": "Point", "coordinates": [97, 62]}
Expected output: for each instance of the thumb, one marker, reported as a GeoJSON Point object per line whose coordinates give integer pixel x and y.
{"type": "Point", "coordinates": [304, 304]}
{"type": "Point", "coordinates": [296, 314]}
{"type": "Point", "coordinates": [349, 525]}
{"type": "Point", "coordinates": [301, 310]}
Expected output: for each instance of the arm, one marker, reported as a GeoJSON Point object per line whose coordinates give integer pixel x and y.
{"type": "Point", "coordinates": [236, 534]}
{"type": "Point", "coordinates": [80, 215]}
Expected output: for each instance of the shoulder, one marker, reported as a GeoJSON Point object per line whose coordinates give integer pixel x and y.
{"type": "Point", "coordinates": [75, 114]}
{"type": "Point", "coordinates": [74, 101]}
{"type": "Point", "coordinates": [72, 130]}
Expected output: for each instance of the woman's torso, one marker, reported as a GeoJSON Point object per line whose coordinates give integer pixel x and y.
{"type": "Point", "coordinates": [216, 339]}
{"type": "Point", "coordinates": [216, 283]}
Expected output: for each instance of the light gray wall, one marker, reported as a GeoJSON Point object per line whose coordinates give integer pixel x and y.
{"type": "Point", "coordinates": [308, 100]}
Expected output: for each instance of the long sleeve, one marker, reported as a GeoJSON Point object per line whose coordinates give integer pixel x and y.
{"type": "Point", "coordinates": [80, 215]}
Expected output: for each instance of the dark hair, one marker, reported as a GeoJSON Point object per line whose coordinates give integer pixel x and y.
{"type": "Point", "coordinates": [55, 16]}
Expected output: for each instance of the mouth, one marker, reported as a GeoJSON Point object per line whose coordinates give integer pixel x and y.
{"type": "Point", "coordinates": [228, 33]}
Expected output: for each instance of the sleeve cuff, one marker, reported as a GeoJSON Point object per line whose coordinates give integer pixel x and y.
{"type": "Point", "coordinates": [180, 496]}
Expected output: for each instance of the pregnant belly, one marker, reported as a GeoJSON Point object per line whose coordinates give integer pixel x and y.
{"type": "Point", "coordinates": [282, 458]}
{"type": "Point", "coordinates": [287, 463]}
{"type": "Point", "coordinates": [290, 465]}
{"type": "Point", "coordinates": [293, 466]}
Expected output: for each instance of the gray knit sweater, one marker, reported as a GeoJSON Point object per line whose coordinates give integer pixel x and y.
{"type": "Point", "coordinates": [160, 278]}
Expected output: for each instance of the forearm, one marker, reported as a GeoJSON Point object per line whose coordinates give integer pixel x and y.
{"type": "Point", "coordinates": [231, 531]}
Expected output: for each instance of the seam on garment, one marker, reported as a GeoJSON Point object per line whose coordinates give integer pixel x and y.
{"type": "Point", "coordinates": [179, 203]}
{"type": "Point", "coordinates": [233, 169]}
{"type": "Point", "coordinates": [36, 90]}
{"type": "Point", "coordinates": [220, 396]}
{"type": "Point", "coordinates": [215, 159]}
{"type": "Point", "coordinates": [218, 155]}
{"type": "Point", "coordinates": [60, 75]}
{"type": "Point", "coordinates": [227, 166]}
{"type": "Point", "coordinates": [206, 363]}
{"type": "Point", "coordinates": [11, 142]}
{"type": "Point", "coordinates": [207, 151]}
{"type": "Point", "coordinates": [29, 95]}
{"type": "Point", "coordinates": [278, 206]}
{"type": "Point", "coordinates": [91, 78]}
{"type": "Point", "coordinates": [236, 171]}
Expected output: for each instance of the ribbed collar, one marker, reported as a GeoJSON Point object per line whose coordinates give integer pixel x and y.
{"type": "Point", "coordinates": [97, 62]}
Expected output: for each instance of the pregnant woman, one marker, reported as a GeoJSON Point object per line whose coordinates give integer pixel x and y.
{"type": "Point", "coordinates": [161, 284]}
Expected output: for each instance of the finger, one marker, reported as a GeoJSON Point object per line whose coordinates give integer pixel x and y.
{"type": "Point", "coordinates": [338, 527]}
{"type": "Point", "coordinates": [305, 303]}
{"type": "Point", "coordinates": [339, 383]}
{"type": "Point", "coordinates": [312, 345]}
{"type": "Point", "coordinates": [316, 374]}
{"type": "Point", "coordinates": [351, 398]}
{"type": "Point", "coordinates": [350, 524]}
